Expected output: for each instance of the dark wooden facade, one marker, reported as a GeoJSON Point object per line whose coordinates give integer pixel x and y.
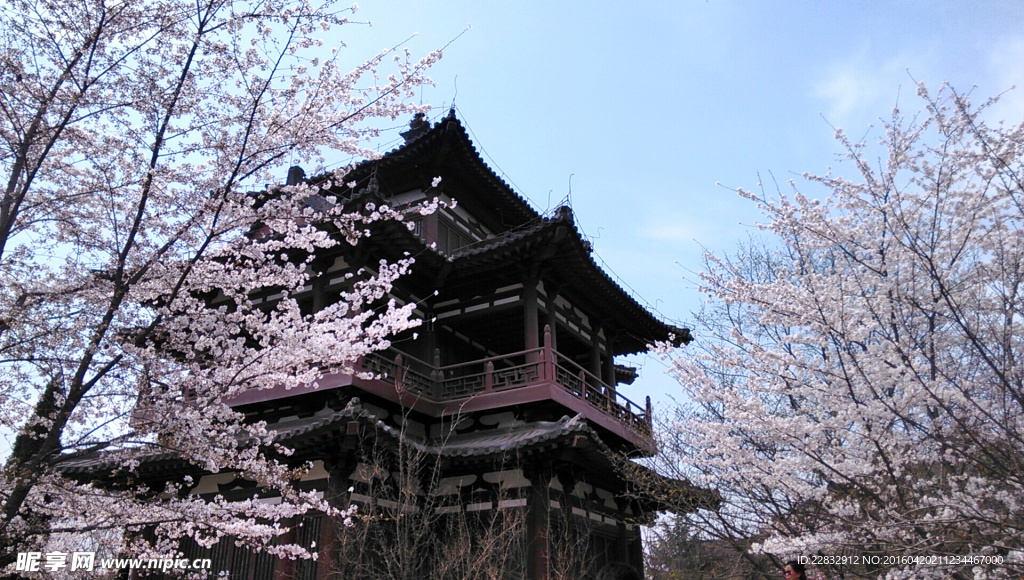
{"type": "Point", "coordinates": [509, 393]}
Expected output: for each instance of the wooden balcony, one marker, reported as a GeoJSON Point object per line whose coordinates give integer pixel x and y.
{"type": "Point", "coordinates": [533, 376]}
{"type": "Point", "coordinates": [505, 380]}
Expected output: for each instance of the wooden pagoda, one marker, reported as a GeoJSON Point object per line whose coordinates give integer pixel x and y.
{"type": "Point", "coordinates": [510, 388]}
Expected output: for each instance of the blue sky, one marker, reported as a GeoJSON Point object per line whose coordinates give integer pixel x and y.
{"type": "Point", "coordinates": [648, 105]}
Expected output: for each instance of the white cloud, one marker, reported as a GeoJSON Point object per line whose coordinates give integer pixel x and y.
{"type": "Point", "coordinates": [857, 89]}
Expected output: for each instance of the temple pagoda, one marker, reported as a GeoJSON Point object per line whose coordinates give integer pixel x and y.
{"type": "Point", "coordinates": [509, 397]}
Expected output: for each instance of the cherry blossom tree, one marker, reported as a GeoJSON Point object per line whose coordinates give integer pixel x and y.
{"type": "Point", "coordinates": [128, 129]}
{"type": "Point", "coordinates": [856, 396]}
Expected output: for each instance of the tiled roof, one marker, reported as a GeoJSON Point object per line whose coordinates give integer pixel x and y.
{"type": "Point", "coordinates": [329, 427]}
{"type": "Point", "coordinates": [469, 444]}
{"type": "Point", "coordinates": [558, 237]}
{"type": "Point", "coordinates": [305, 431]}
{"type": "Point", "coordinates": [447, 147]}
{"type": "Point", "coordinates": [526, 234]}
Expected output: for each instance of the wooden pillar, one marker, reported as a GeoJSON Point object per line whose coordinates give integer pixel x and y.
{"type": "Point", "coordinates": [553, 320]}
{"type": "Point", "coordinates": [340, 471]}
{"type": "Point", "coordinates": [609, 367]}
{"type": "Point", "coordinates": [538, 523]}
{"type": "Point", "coordinates": [549, 358]}
{"type": "Point", "coordinates": [552, 316]}
{"type": "Point", "coordinates": [595, 351]}
{"type": "Point", "coordinates": [622, 547]}
{"type": "Point", "coordinates": [429, 337]}
{"type": "Point", "coordinates": [429, 229]}
{"type": "Point", "coordinates": [636, 549]}
{"type": "Point", "coordinates": [320, 292]}
{"type": "Point", "coordinates": [530, 323]}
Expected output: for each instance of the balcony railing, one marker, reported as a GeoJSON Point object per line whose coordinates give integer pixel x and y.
{"type": "Point", "coordinates": [508, 372]}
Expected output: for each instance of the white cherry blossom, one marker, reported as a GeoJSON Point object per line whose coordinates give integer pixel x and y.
{"type": "Point", "coordinates": [856, 390]}
{"type": "Point", "coordinates": [133, 132]}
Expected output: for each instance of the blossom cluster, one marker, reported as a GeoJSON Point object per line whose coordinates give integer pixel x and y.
{"type": "Point", "coordinates": [858, 389]}
{"type": "Point", "coordinates": [142, 285]}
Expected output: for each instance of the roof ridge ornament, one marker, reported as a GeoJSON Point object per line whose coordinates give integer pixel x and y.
{"type": "Point", "coordinates": [295, 175]}
{"type": "Point", "coordinates": [418, 127]}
